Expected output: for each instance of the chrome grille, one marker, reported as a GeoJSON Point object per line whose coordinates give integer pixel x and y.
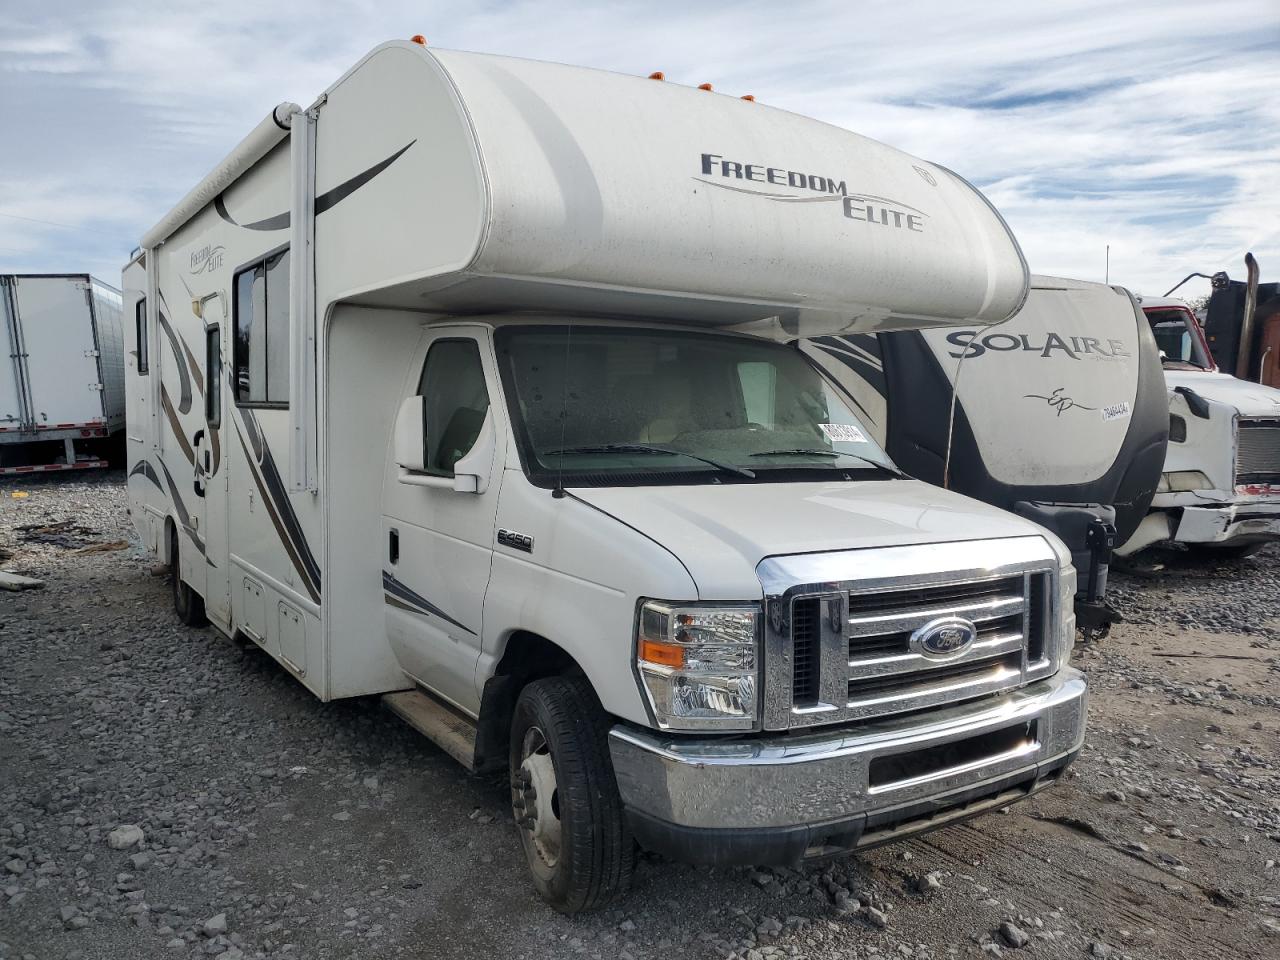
{"type": "Point", "coordinates": [839, 647]}
{"type": "Point", "coordinates": [1258, 451]}
{"type": "Point", "coordinates": [886, 676]}
{"type": "Point", "coordinates": [805, 638]}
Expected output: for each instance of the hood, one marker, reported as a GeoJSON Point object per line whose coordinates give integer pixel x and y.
{"type": "Point", "coordinates": [1250, 399]}
{"type": "Point", "coordinates": [721, 532]}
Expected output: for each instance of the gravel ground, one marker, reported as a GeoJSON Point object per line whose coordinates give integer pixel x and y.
{"type": "Point", "coordinates": [166, 792]}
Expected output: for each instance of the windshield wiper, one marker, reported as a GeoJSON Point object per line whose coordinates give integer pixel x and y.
{"type": "Point", "coordinates": [801, 451]}
{"type": "Point", "coordinates": [651, 448]}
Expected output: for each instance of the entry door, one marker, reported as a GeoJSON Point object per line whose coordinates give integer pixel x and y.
{"type": "Point", "coordinates": [212, 470]}
{"type": "Point", "coordinates": [438, 541]}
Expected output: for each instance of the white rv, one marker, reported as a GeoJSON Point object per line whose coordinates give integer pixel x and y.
{"type": "Point", "coordinates": [61, 372]}
{"type": "Point", "coordinates": [474, 385]}
{"type": "Point", "coordinates": [1220, 491]}
{"type": "Point", "coordinates": [1059, 415]}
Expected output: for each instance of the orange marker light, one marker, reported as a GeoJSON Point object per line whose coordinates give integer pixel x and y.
{"type": "Point", "coordinates": [418, 39]}
{"type": "Point", "coordinates": [749, 96]}
{"type": "Point", "coordinates": [657, 75]}
{"type": "Point", "coordinates": [666, 654]}
{"type": "Point", "coordinates": [705, 86]}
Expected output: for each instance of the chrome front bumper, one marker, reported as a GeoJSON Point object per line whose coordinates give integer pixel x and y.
{"type": "Point", "coordinates": [781, 798]}
{"type": "Point", "coordinates": [1230, 523]}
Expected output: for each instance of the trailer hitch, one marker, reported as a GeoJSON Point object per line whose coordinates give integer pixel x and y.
{"type": "Point", "coordinates": [1094, 616]}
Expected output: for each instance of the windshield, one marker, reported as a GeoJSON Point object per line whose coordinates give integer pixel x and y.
{"type": "Point", "coordinates": [1178, 339]}
{"type": "Point", "coordinates": [613, 406]}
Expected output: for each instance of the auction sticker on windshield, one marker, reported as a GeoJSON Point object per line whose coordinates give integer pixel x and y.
{"type": "Point", "coordinates": [842, 433]}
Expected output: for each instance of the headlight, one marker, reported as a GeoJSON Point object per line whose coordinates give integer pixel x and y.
{"type": "Point", "coordinates": [698, 665]}
{"type": "Point", "coordinates": [1066, 616]}
{"type": "Point", "coordinates": [1181, 481]}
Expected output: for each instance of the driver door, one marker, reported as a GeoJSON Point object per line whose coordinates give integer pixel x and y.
{"type": "Point", "coordinates": [439, 540]}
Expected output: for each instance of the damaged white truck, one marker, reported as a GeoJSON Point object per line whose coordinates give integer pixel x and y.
{"type": "Point", "coordinates": [1219, 495]}
{"type": "Point", "coordinates": [475, 385]}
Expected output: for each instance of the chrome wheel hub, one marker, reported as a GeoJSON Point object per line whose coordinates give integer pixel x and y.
{"type": "Point", "coordinates": [534, 799]}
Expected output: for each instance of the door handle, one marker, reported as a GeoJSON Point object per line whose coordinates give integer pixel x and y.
{"type": "Point", "coordinates": [393, 546]}
{"type": "Point", "coordinates": [196, 440]}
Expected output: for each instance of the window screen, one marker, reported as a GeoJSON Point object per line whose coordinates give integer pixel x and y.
{"type": "Point", "coordinates": [455, 403]}
{"type": "Point", "coordinates": [262, 332]}
{"type": "Point", "coordinates": [140, 330]}
{"type": "Point", "coordinates": [213, 376]}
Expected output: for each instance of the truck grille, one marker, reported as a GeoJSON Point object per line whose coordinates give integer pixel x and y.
{"type": "Point", "coordinates": [839, 625]}
{"type": "Point", "coordinates": [870, 631]}
{"type": "Point", "coordinates": [1258, 451]}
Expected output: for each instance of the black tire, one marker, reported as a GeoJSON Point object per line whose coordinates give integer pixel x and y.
{"type": "Point", "coordinates": [187, 604]}
{"type": "Point", "coordinates": [596, 851]}
{"type": "Point", "coordinates": [1236, 551]}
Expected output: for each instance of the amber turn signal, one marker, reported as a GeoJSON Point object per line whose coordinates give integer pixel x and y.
{"type": "Point", "coordinates": [665, 654]}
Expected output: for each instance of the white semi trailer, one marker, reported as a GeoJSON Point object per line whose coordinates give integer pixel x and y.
{"type": "Point", "coordinates": [61, 372]}
{"type": "Point", "coordinates": [475, 385]}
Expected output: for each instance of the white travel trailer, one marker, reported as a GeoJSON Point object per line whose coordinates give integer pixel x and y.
{"type": "Point", "coordinates": [1060, 415]}
{"type": "Point", "coordinates": [1220, 490]}
{"type": "Point", "coordinates": [474, 385]}
{"type": "Point", "coordinates": [63, 383]}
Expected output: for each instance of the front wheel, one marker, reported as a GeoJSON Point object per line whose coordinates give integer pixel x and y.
{"type": "Point", "coordinates": [187, 604]}
{"type": "Point", "coordinates": [565, 799]}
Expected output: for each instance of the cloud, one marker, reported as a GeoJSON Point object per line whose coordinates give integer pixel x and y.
{"type": "Point", "coordinates": [1149, 126]}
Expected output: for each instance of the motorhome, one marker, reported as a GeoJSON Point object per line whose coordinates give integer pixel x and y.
{"type": "Point", "coordinates": [1058, 414]}
{"type": "Point", "coordinates": [1219, 494]}
{"type": "Point", "coordinates": [474, 385]}
{"type": "Point", "coordinates": [62, 388]}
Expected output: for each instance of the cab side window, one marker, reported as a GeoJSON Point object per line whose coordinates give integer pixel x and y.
{"type": "Point", "coordinates": [455, 401]}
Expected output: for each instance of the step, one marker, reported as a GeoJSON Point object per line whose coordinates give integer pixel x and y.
{"type": "Point", "coordinates": [444, 726]}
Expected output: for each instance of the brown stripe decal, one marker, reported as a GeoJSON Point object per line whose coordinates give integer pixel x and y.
{"type": "Point", "coordinates": [184, 376]}
{"type": "Point", "coordinates": [169, 413]}
{"type": "Point", "coordinates": [270, 504]}
{"type": "Point", "coordinates": [284, 506]}
{"type": "Point", "coordinates": [196, 375]}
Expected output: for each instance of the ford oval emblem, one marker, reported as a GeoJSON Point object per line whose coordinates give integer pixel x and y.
{"type": "Point", "coordinates": [944, 637]}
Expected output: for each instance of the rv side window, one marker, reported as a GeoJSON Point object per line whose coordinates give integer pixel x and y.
{"type": "Point", "coordinates": [213, 376]}
{"type": "Point", "coordinates": [140, 329]}
{"type": "Point", "coordinates": [455, 402]}
{"type": "Point", "coordinates": [261, 342]}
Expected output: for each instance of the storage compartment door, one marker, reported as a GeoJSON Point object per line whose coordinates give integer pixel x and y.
{"type": "Point", "coordinates": [61, 350]}
{"type": "Point", "coordinates": [293, 638]}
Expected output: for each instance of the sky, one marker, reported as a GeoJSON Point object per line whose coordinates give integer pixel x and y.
{"type": "Point", "coordinates": [1153, 127]}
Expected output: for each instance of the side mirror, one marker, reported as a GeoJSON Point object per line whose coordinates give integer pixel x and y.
{"type": "Point", "coordinates": [410, 437]}
{"type": "Point", "coordinates": [471, 473]}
